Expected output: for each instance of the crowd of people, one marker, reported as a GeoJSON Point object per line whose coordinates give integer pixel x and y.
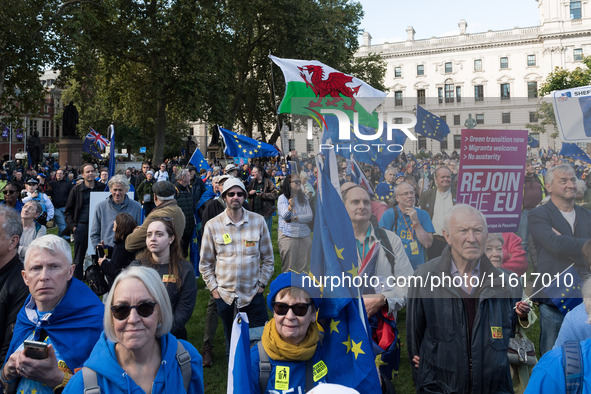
{"type": "Point", "coordinates": [157, 229]}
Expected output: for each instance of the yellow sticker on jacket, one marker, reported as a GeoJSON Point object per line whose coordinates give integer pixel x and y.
{"type": "Point", "coordinates": [249, 244]}
{"type": "Point", "coordinates": [497, 332]}
{"type": "Point", "coordinates": [319, 370]}
{"type": "Point", "coordinates": [168, 278]}
{"type": "Point", "coordinates": [282, 378]}
{"type": "Point", "coordinates": [227, 238]}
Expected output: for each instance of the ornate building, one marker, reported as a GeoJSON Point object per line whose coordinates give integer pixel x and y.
{"type": "Point", "coordinates": [492, 76]}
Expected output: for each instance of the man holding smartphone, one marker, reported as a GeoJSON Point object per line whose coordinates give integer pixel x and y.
{"type": "Point", "coordinates": [62, 317]}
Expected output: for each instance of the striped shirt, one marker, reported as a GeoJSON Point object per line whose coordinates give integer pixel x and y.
{"type": "Point", "coordinates": [300, 217]}
{"type": "Point", "coordinates": [236, 257]}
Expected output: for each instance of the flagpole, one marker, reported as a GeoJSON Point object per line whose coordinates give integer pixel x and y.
{"type": "Point", "coordinates": [543, 287]}
{"type": "Point", "coordinates": [275, 107]}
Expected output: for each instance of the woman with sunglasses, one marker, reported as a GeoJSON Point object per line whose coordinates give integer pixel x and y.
{"type": "Point", "coordinates": [12, 196]}
{"type": "Point", "coordinates": [164, 254]}
{"type": "Point", "coordinates": [136, 350]}
{"type": "Point", "coordinates": [295, 213]}
{"type": "Point", "coordinates": [290, 340]}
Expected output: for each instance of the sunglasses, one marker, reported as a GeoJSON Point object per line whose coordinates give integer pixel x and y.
{"type": "Point", "coordinates": [144, 309]}
{"type": "Point", "coordinates": [9, 191]}
{"type": "Point", "coordinates": [281, 309]}
{"type": "Point", "coordinates": [237, 194]}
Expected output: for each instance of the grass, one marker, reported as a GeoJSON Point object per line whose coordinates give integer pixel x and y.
{"type": "Point", "coordinates": [215, 377]}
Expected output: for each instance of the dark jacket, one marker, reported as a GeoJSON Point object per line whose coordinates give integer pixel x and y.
{"type": "Point", "coordinates": [557, 252]}
{"type": "Point", "coordinates": [75, 199]}
{"type": "Point", "coordinates": [13, 293]}
{"type": "Point", "coordinates": [120, 259]}
{"type": "Point", "coordinates": [268, 197]}
{"type": "Point", "coordinates": [59, 192]}
{"type": "Point", "coordinates": [437, 331]}
{"type": "Point", "coordinates": [184, 198]}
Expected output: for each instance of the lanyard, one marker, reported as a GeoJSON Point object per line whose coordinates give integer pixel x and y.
{"type": "Point", "coordinates": [409, 228]}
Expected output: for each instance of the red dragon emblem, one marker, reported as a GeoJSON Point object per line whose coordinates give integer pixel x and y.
{"type": "Point", "coordinates": [334, 86]}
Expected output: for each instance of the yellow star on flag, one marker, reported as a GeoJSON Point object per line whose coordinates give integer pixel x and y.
{"type": "Point", "coordinates": [356, 348]}
{"type": "Point", "coordinates": [311, 275]}
{"type": "Point", "coordinates": [353, 271]}
{"type": "Point", "coordinates": [250, 152]}
{"type": "Point", "coordinates": [339, 252]}
{"type": "Point", "coordinates": [348, 344]}
{"type": "Point", "coordinates": [244, 150]}
{"type": "Point", "coordinates": [240, 146]}
{"type": "Point", "coordinates": [334, 325]}
{"type": "Point", "coordinates": [379, 361]}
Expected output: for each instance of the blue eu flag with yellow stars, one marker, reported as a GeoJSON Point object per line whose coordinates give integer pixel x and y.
{"type": "Point", "coordinates": [341, 314]}
{"type": "Point", "coordinates": [566, 298]}
{"type": "Point", "coordinates": [199, 161]}
{"type": "Point", "coordinates": [574, 151]}
{"type": "Point", "coordinates": [430, 126]}
{"type": "Point", "coordinates": [242, 146]}
{"type": "Point", "coordinates": [90, 147]}
{"type": "Point", "coordinates": [532, 142]}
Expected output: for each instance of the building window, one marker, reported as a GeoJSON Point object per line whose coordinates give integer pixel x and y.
{"type": "Point", "coordinates": [458, 94]}
{"type": "Point", "coordinates": [479, 118]}
{"type": "Point", "coordinates": [398, 97]}
{"type": "Point", "coordinates": [397, 120]}
{"type": "Point", "coordinates": [575, 9]}
{"type": "Point", "coordinates": [420, 69]}
{"type": "Point", "coordinates": [479, 93]}
{"type": "Point", "coordinates": [33, 126]}
{"type": "Point", "coordinates": [397, 72]}
{"type": "Point", "coordinates": [531, 60]}
{"type": "Point", "coordinates": [449, 93]}
{"type": "Point", "coordinates": [506, 117]}
{"type": "Point", "coordinates": [504, 62]}
{"type": "Point", "coordinates": [533, 117]}
{"type": "Point", "coordinates": [421, 96]}
{"type": "Point", "coordinates": [532, 89]}
{"type": "Point", "coordinates": [45, 129]}
{"type": "Point", "coordinates": [422, 142]}
{"type": "Point", "coordinates": [440, 94]}
{"type": "Point", "coordinates": [478, 65]}
{"type": "Point", "coordinates": [456, 120]}
{"type": "Point", "coordinates": [457, 141]}
{"type": "Point", "coordinates": [443, 143]}
{"type": "Point", "coordinates": [309, 146]}
{"type": "Point", "coordinates": [577, 54]}
{"type": "Point", "coordinates": [443, 118]}
{"type": "Point", "coordinates": [448, 67]}
{"type": "Point", "coordinates": [505, 92]}
{"type": "Point", "coordinates": [291, 144]}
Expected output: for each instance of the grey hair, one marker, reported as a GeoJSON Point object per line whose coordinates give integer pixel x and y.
{"type": "Point", "coordinates": [38, 207]}
{"type": "Point", "coordinates": [184, 172]}
{"type": "Point", "coordinates": [553, 169]}
{"type": "Point", "coordinates": [581, 186]}
{"type": "Point", "coordinates": [120, 179]}
{"type": "Point", "coordinates": [52, 244]}
{"type": "Point", "coordinates": [400, 184]}
{"type": "Point", "coordinates": [151, 279]}
{"type": "Point", "coordinates": [12, 224]}
{"type": "Point", "coordinates": [495, 236]}
{"type": "Point", "coordinates": [463, 207]}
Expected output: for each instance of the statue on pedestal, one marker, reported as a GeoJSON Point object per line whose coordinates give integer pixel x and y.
{"type": "Point", "coordinates": [35, 149]}
{"type": "Point", "coordinates": [69, 121]}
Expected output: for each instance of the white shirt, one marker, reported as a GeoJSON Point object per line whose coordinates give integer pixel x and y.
{"type": "Point", "coordinates": [443, 203]}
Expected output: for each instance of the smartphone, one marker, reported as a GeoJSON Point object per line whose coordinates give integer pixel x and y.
{"type": "Point", "coordinates": [100, 251]}
{"type": "Point", "coordinates": [36, 350]}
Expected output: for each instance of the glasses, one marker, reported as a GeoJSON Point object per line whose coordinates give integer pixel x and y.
{"type": "Point", "coordinates": [9, 191]}
{"type": "Point", "coordinates": [143, 309]}
{"type": "Point", "coordinates": [406, 194]}
{"type": "Point", "coordinates": [237, 194]}
{"type": "Point", "coordinates": [296, 182]}
{"type": "Point", "coordinates": [281, 309]}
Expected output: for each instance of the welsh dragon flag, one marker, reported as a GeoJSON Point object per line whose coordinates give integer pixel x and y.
{"type": "Point", "coordinates": [311, 86]}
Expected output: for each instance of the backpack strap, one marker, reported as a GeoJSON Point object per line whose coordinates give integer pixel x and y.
{"type": "Point", "coordinates": [184, 359]}
{"type": "Point", "coordinates": [90, 381]}
{"type": "Point", "coordinates": [383, 237]}
{"type": "Point", "coordinates": [573, 367]}
{"type": "Point", "coordinates": [264, 368]}
{"type": "Point", "coordinates": [309, 374]}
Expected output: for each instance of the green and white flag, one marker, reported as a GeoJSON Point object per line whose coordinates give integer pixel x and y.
{"type": "Point", "coordinates": [311, 86]}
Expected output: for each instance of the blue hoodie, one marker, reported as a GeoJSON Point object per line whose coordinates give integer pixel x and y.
{"type": "Point", "coordinates": [112, 378]}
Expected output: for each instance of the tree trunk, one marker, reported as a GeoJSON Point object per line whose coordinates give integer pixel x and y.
{"type": "Point", "coordinates": [160, 134]}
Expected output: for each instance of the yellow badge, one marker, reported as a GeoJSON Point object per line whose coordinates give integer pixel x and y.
{"type": "Point", "coordinates": [282, 378]}
{"type": "Point", "coordinates": [227, 239]}
{"type": "Point", "coordinates": [168, 278]}
{"type": "Point", "coordinates": [414, 247]}
{"type": "Point", "coordinates": [497, 332]}
{"type": "Point", "coordinates": [249, 244]}
{"type": "Point", "coordinates": [319, 370]}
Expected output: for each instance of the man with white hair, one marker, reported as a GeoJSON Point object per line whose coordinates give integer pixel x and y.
{"type": "Point", "coordinates": [61, 312]}
{"type": "Point", "coordinates": [105, 212]}
{"type": "Point", "coordinates": [458, 328]}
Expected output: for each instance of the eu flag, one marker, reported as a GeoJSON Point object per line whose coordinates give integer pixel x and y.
{"type": "Point", "coordinates": [565, 297]}
{"type": "Point", "coordinates": [242, 146]}
{"type": "Point", "coordinates": [347, 344]}
{"type": "Point", "coordinates": [532, 142]}
{"type": "Point", "coordinates": [90, 147]}
{"type": "Point", "coordinates": [199, 161]}
{"type": "Point", "coordinates": [430, 125]}
{"type": "Point", "coordinates": [574, 151]}
{"type": "Point", "coordinates": [377, 155]}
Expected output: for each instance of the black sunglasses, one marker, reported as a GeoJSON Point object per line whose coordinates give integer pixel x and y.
{"type": "Point", "coordinates": [238, 194]}
{"type": "Point", "coordinates": [281, 309]}
{"type": "Point", "coordinates": [144, 309]}
{"type": "Point", "coordinates": [9, 191]}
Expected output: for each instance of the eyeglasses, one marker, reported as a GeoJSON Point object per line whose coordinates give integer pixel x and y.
{"type": "Point", "coordinates": [237, 194]}
{"type": "Point", "coordinates": [296, 182]}
{"type": "Point", "coordinates": [281, 309]}
{"type": "Point", "coordinates": [406, 194]}
{"type": "Point", "coordinates": [143, 309]}
{"type": "Point", "coordinates": [9, 191]}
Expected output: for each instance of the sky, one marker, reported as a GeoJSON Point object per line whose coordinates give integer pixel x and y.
{"type": "Point", "coordinates": [387, 20]}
